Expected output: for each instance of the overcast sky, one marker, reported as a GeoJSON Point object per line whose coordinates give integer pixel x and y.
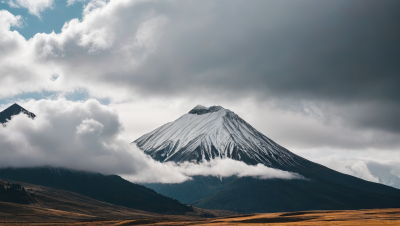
{"type": "Point", "coordinates": [321, 78]}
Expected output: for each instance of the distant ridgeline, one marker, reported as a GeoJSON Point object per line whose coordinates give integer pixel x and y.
{"type": "Point", "coordinates": [14, 193]}
{"type": "Point", "coordinates": [14, 109]}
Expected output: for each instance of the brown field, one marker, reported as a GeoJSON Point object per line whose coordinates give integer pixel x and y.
{"type": "Point", "coordinates": [58, 207]}
{"type": "Point", "coordinates": [30, 215]}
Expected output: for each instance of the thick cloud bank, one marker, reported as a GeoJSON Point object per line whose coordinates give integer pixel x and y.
{"type": "Point", "coordinates": [87, 136]}
{"type": "Point", "coordinates": [337, 53]}
{"type": "Point", "coordinates": [332, 51]}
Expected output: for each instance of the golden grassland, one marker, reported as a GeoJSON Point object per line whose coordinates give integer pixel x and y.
{"type": "Point", "coordinates": [58, 207]}
{"type": "Point", "coordinates": [38, 217]}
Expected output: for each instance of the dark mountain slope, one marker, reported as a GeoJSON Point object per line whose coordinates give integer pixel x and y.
{"type": "Point", "coordinates": [112, 189]}
{"type": "Point", "coordinates": [250, 195]}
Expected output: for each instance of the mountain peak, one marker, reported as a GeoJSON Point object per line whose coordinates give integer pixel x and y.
{"type": "Point", "coordinates": [200, 109]}
{"type": "Point", "coordinates": [209, 133]}
{"type": "Point", "coordinates": [14, 109]}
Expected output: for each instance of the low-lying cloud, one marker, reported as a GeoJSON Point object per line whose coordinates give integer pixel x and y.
{"type": "Point", "coordinates": [379, 171]}
{"type": "Point", "coordinates": [88, 136]}
{"type": "Point", "coordinates": [218, 168]}
{"type": "Point", "coordinates": [354, 167]}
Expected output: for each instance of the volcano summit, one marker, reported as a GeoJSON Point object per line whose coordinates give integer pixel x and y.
{"type": "Point", "coordinates": [217, 133]}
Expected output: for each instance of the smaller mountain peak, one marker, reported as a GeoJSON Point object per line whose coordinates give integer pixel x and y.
{"type": "Point", "coordinates": [14, 109]}
{"type": "Point", "coordinates": [15, 105]}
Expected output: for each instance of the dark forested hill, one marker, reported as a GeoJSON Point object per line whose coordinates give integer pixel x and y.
{"type": "Point", "coordinates": [112, 189]}
{"type": "Point", "coordinates": [14, 193]}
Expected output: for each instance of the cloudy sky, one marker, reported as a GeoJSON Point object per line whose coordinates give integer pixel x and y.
{"type": "Point", "coordinates": [321, 78]}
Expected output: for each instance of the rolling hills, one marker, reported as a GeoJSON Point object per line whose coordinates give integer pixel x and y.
{"type": "Point", "coordinates": [105, 188]}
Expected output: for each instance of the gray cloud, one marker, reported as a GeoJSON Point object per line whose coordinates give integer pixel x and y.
{"type": "Point", "coordinates": [335, 52]}
{"type": "Point", "coordinates": [339, 53]}
{"type": "Point", "coordinates": [336, 61]}
{"type": "Point", "coordinates": [311, 49]}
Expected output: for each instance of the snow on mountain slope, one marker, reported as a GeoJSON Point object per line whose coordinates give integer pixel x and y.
{"type": "Point", "coordinates": [210, 133]}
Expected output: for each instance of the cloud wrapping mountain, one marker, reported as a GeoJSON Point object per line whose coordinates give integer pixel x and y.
{"type": "Point", "coordinates": [87, 136]}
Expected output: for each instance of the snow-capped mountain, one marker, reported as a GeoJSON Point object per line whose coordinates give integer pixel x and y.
{"type": "Point", "coordinates": [214, 132]}
{"type": "Point", "coordinates": [14, 109]}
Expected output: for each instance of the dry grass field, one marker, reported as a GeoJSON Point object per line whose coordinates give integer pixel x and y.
{"type": "Point", "coordinates": [356, 217]}
{"type": "Point", "coordinates": [35, 216]}
{"type": "Point", "coordinates": [58, 207]}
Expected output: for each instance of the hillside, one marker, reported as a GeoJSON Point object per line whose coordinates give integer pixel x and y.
{"type": "Point", "coordinates": [111, 189]}
{"type": "Point", "coordinates": [15, 193]}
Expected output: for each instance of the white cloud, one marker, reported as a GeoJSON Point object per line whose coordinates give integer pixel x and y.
{"type": "Point", "coordinates": [375, 170]}
{"type": "Point", "coordinates": [387, 171]}
{"type": "Point", "coordinates": [8, 39]}
{"type": "Point", "coordinates": [162, 172]}
{"type": "Point", "coordinates": [35, 7]}
{"type": "Point", "coordinates": [353, 167]}
{"type": "Point", "coordinates": [87, 136]}
{"type": "Point", "coordinates": [229, 167]}
{"type": "Point", "coordinates": [109, 43]}
{"type": "Point", "coordinates": [89, 126]}
{"type": "Point", "coordinates": [7, 20]}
